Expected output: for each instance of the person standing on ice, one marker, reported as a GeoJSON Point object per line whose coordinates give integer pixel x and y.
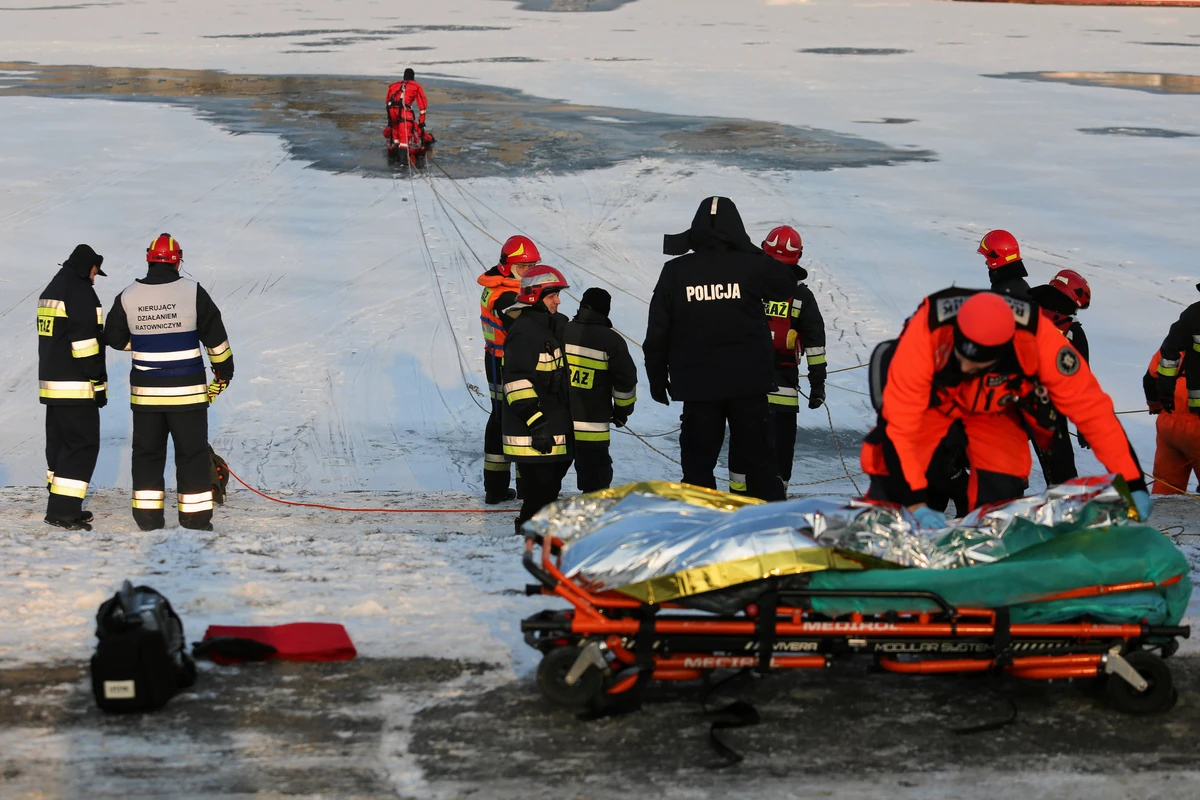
{"type": "Point", "coordinates": [1182, 339]}
{"type": "Point", "coordinates": [163, 319]}
{"type": "Point", "coordinates": [72, 384]}
{"type": "Point", "coordinates": [708, 344]}
{"type": "Point", "coordinates": [796, 327]}
{"type": "Point", "coordinates": [1061, 299]}
{"type": "Point", "coordinates": [537, 411]}
{"type": "Point", "coordinates": [603, 387]}
{"type": "Point", "coordinates": [501, 284]}
{"type": "Point", "coordinates": [1177, 441]}
{"type": "Point", "coordinates": [978, 357]}
{"type": "Point", "coordinates": [1006, 270]}
{"type": "Point", "coordinates": [402, 97]}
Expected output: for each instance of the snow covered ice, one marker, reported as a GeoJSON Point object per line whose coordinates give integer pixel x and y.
{"type": "Point", "coordinates": [351, 302]}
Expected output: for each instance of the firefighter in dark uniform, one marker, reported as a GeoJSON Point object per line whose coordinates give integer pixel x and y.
{"type": "Point", "coordinates": [72, 384]}
{"type": "Point", "coordinates": [603, 387]}
{"type": "Point", "coordinates": [500, 285]}
{"type": "Point", "coordinates": [537, 411]}
{"type": "Point", "coordinates": [165, 319]}
{"type": "Point", "coordinates": [796, 327]}
{"type": "Point", "coordinates": [1183, 338]}
{"type": "Point", "coordinates": [1061, 299]}
{"type": "Point", "coordinates": [708, 344]}
{"type": "Point", "coordinates": [1006, 270]}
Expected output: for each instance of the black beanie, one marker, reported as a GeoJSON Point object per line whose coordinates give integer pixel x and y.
{"type": "Point", "coordinates": [597, 300]}
{"type": "Point", "coordinates": [409, 75]}
{"type": "Point", "coordinates": [82, 259]}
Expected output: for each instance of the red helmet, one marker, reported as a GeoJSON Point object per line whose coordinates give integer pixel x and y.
{"type": "Point", "coordinates": [164, 250]}
{"type": "Point", "coordinates": [540, 281]}
{"type": "Point", "coordinates": [519, 250]}
{"type": "Point", "coordinates": [1074, 286]}
{"type": "Point", "coordinates": [999, 248]}
{"type": "Point", "coordinates": [784, 244]}
{"type": "Point", "coordinates": [984, 325]}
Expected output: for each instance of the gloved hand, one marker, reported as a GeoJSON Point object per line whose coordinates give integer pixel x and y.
{"type": "Point", "coordinates": [1142, 504]}
{"type": "Point", "coordinates": [816, 394]}
{"type": "Point", "coordinates": [929, 518]}
{"type": "Point", "coordinates": [421, 124]}
{"type": "Point", "coordinates": [1084, 443]}
{"type": "Point", "coordinates": [542, 440]}
{"type": "Point", "coordinates": [1154, 407]}
{"type": "Point", "coordinates": [619, 419]}
{"type": "Point", "coordinates": [1166, 392]}
{"type": "Point", "coordinates": [100, 393]}
{"type": "Point", "coordinates": [661, 393]}
{"type": "Point", "coordinates": [217, 386]}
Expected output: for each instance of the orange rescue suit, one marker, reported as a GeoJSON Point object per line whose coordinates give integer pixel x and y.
{"type": "Point", "coordinates": [918, 410]}
{"type": "Point", "coordinates": [1177, 445]}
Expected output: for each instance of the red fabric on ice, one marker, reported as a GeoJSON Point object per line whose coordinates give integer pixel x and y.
{"type": "Point", "coordinates": [296, 641]}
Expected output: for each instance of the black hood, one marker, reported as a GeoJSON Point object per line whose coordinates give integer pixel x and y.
{"type": "Point", "coordinates": [589, 316]}
{"type": "Point", "coordinates": [1052, 299]}
{"type": "Point", "coordinates": [82, 259]}
{"type": "Point", "coordinates": [716, 226]}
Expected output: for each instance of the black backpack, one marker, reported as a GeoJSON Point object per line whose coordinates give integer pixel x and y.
{"type": "Point", "coordinates": [140, 662]}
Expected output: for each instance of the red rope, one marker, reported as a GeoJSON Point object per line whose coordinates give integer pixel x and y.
{"type": "Point", "coordinates": [374, 510]}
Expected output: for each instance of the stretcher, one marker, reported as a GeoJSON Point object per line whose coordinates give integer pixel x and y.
{"type": "Point", "coordinates": [614, 638]}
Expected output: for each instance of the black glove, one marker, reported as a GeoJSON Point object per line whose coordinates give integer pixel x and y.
{"type": "Point", "coordinates": [619, 419]}
{"type": "Point", "coordinates": [100, 392]}
{"type": "Point", "coordinates": [542, 440]}
{"type": "Point", "coordinates": [1166, 392]}
{"type": "Point", "coordinates": [661, 393]}
{"type": "Point", "coordinates": [1084, 443]}
{"type": "Point", "coordinates": [816, 394]}
{"type": "Point", "coordinates": [421, 124]}
{"type": "Point", "coordinates": [1154, 407]}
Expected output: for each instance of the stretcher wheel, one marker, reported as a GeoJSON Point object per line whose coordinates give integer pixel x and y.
{"type": "Point", "coordinates": [1159, 696]}
{"type": "Point", "coordinates": [551, 679]}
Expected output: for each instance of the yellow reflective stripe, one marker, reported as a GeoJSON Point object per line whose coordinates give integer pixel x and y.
{"type": "Point", "coordinates": [580, 361]}
{"type": "Point", "coordinates": [592, 436]}
{"type": "Point", "coordinates": [1196, 346]}
{"type": "Point", "coordinates": [538, 415]}
{"type": "Point", "coordinates": [219, 354]}
{"type": "Point", "coordinates": [515, 450]}
{"type": "Point", "coordinates": [100, 386]}
{"type": "Point", "coordinates": [1167, 372]}
{"type": "Point", "coordinates": [66, 390]}
{"type": "Point", "coordinates": [139, 400]}
{"type": "Point", "coordinates": [814, 360]}
{"type": "Point", "coordinates": [85, 347]}
{"type": "Point", "coordinates": [49, 476]}
{"type": "Point", "coordinates": [783, 400]}
{"type": "Point", "coordinates": [548, 366]}
{"type": "Point", "coordinates": [522, 394]}
{"type": "Point", "coordinates": [495, 466]}
{"type": "Point", "coordinates": [623, 402]}
{"type": "Point", "coordinates": [68, 487]}
{"type": "Point", "coordinates": [99, 316]}
{"type": "Point", "coordinates": [737, 487]}
{"type": "Point", "coordinates": [150, 499]}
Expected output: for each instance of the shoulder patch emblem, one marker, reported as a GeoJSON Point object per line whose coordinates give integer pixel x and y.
{"type": "Point", "coordinates": [1067, 361]}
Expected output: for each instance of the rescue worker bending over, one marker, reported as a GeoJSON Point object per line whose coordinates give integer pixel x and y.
{"type": "Point", "coordinates": [1006, 270]}
{"type": "Point", "coordinates": [402, 97]}
{"type": "Point", "coordinates": [709, 345]}
{"type": "Point", "coordinates": [72, 384]}
{"type": "Point", "coordinates": [796, 327]}
{"type": "Point", "coordinates": [1061, 299]}
{"type": "Point", "coordinates": [1182, 339]}
{"type": "Point", "coordinates": [603, 387]}
{"type": "Point", "coordinates": [1177, 445]}
{"type": "Point", "coordinates": [164, 319]}
{"type": "Point", "coordinates": [977, 357]}
{"type": "Point", "coordinates": [498, 302]}
{"type": "Point", "coordinates": [537, 411]}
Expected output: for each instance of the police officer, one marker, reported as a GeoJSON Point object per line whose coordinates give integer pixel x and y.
{"type": "Point", "coordinates": [164, 319]}
{"type": "Point", "coordinates": [501, 284]}
{"type": "Point", "coordinates": [537, 412]}
{"type": "Point", "coordinates": [72, 384]}
{"type": "Point", "coordinates": [603, 387]}
{"type": "Point", "coordinates": [708, 344]}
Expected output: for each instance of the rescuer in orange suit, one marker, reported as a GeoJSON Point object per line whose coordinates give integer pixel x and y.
{"type": "Point", "coordinates": [1177, 446]}
{"type": "Point", "coordinates": [402, 97]}
{"type": "Point", "coordinates": [979, 357]}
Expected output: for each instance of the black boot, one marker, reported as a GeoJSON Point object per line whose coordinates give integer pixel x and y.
{"type": "Point", "coordinates": [503, 496]}
{"type": "Point", "coordinates": [77, 524]}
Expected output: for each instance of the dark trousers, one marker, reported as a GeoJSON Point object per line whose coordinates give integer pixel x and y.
{"type": "Point", "coordinates": [1059, 464]}
{"type": "Point", "coordinates": [783, 427]}
{"type": "Point", "coordinates": [541, 482]}
{"type": "Point", "coordinates": [702, 432]}
{"type": "Point", "coordinates": [496, 471]}
{"type": "Point", "coordinates": [72, 447]}
{"type": "Point", "coordinates": [193, 467]}
{"type": "Point", "coordinates": [593, 466]}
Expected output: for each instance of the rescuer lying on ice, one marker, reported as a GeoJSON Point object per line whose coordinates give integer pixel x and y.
{"type": "Point", "coordinates": [978, 357]}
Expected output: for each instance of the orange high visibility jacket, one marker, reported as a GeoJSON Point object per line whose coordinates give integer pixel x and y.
{"type": "Point", "coordinates": [499, 294]}
{"type": "Point", "coordinates": [1042, 361]}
